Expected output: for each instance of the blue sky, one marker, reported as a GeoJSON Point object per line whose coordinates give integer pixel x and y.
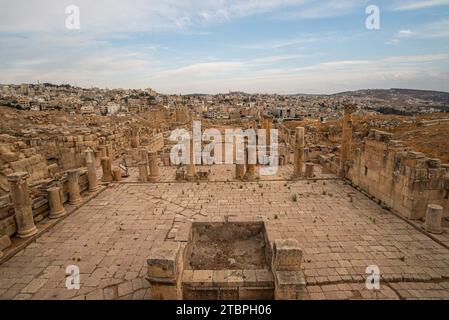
{"type": "Point", "coordinates": [266, 46]}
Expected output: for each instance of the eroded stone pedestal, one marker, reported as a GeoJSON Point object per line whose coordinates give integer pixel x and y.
{"type": "Point", "coordinates": [434, 215]}
{"type": "Point", "coordinates": [55, 203]}
{"type": "Point", "coordinates": [106, 166]}
{"type": "Point", "coordinates": [74, 187]}
{"type": "Point", "coordinates": [22, 204]}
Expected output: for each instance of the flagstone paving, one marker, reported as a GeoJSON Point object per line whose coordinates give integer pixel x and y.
{"type": "Point", "coordinates": [340, 230]}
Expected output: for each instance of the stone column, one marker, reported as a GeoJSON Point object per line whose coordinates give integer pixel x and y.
{"type": "Point", "coordinates": [117, 174]}
{"type": "Point", "coordinates": [239, 171]}
{"type": "Point", "coordinates": [306, 154]}
{"type": "Point", "coordinates": [434, 215]}
{"type": "Point", "coordinates": [91, 171]}
{"type": "Point", "coordinates": [55, 203]}
{"type": "Point", "coordinates": [143, 154]}
{"type": "Point", "coordinates": [154, 169]}
{"type": "Point", "coordinates": [299, 152]}
{"type": "Point", "coordinates": [309, 170]}
{"type": "Point", "coordinates": [250, 174]}
{"type": "Point", "coordinates": [106, 166]}
{"type": "Point", "coordinates": [22, 204]}
{"type": "Point", "coordinates": [143, 172]}
{"type": "Point", "coordinates": [97, 157]}
{"type": "Point", "coordinates": [109, 151]}
{"type": "Point", "coordinates": [346, 137]}
{"type": "Point", "coordinates": [268, 127]}
{"type": "Point", "coordinates": [74, 187]}
{"type": "Point", "coordinates": [103, 152]}
{"type": "Point", "coordinates": [135, 137]}
{"type": "Point", "coordinates": [190, 174]}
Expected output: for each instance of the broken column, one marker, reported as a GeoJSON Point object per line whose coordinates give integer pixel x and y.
{"type": "Point", "coordinates": [91, 171]}
{"type": "Point", "coordinates": [103, 152]}
{"type": "Point", "coordinates": [143, 171]}
{"type": "Point", "coordinates": [299, 152]}
{"type": "Point", "coordinates": [55, 203]}
{"type": "Point", "coordinates": [190, 173]}
{"type": "Point", "coordinates": [239, 171]}
{"type": "Point", "coordinates": [240, 161]}
{"type": "Point", "coordinates": [434, 215]}
{"type": "Point", "coordinates": [309, 170]}
{"type": "Point", "coordinates": [250, 174]}
{"type": "Point", "coordinates": [117, 174]}
{"type": "Point", "coordinates": [268, 127]}
{"type": "Point", "coordinates": [106, 166]}
{"type": "Point", "coordinates": [109, 151]}
{"type": "Point", "coordinates": [143, 154]}
{"type": "Point", "coordinates": [134, 137]}
{"type": "Point", "coordinates": [346, 137]}
{"type": "Point", "coordinates": [154, 170]}
{"type": "Point", "coordinates": [18, 187]}
{"type": "Point", "coordinates": [74, 187]}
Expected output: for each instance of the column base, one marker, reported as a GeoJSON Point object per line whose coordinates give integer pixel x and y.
{"type": "Point", "coordinates": [434, 231]}
{"type": "Point", "coordinates": [75, 201]}
{"type": "Point", "coordinates": [94, 189]}
{"type": "Point", "coordinates": [27, 233]}
{"type": "Point", "coordinates": [249, 178]}
{"type": "Point", "coordinates": [57, 215]}
{"type": "Point", "coordinates": [154, 179]}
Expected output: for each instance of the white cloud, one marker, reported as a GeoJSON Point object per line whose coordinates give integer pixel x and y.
{"type": "Point", "coordinates": [418, 71]}
{"type": "Point", "coordinates": [112, 16]}
{"type": "Point", "coordinates": [416, 5]}
{"type": "Point", "coordinates": [405, 33]}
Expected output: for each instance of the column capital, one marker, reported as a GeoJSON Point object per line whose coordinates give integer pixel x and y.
{"type": "Point", "coordinates": [18, 176]}
{"type": "Point", "coordinates": [73, 171]}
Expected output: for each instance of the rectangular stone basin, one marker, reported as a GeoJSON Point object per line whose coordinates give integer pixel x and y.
{"type": "Point", "coordinates": [227, 260]}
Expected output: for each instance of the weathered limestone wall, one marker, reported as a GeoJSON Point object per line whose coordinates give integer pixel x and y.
{"type": "Point", "coordinates": [404, 180]}
{"type": "Point", "coordinates": [17, 156]}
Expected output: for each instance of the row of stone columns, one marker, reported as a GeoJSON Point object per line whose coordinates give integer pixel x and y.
{"type": "Point", "coordinates": [18, 186]}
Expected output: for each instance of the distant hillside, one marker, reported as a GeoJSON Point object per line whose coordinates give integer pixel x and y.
{"type": "Point", "coordinates": [400, 94]}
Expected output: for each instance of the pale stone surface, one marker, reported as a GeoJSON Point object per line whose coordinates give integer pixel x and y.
{"type": "Point", "coordinates": [339, 230]}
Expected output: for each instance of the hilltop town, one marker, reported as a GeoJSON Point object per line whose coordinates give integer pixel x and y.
{"type": "Point", "coordinates": [88, 184]}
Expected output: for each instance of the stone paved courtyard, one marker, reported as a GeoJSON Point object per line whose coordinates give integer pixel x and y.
{"type": "Point", "coordinates": [340, 230]}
